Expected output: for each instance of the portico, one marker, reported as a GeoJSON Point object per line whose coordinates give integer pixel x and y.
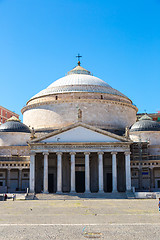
{"type": "Point", "coordinates": [105, 166]}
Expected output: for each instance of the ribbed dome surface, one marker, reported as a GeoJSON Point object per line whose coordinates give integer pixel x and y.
{"type": "Point", "coordinates": [145, 123]}
{"type": "Point", "coordinates": [78, 80]}
{"type": "Point", "coordinates": [14, 126]}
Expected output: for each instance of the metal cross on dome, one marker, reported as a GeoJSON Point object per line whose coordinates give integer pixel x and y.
{"type": "Point", "coordinates": [79, 56]}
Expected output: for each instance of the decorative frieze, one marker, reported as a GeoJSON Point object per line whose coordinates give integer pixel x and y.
{"type": "Point", "coordinates": [79, 148]}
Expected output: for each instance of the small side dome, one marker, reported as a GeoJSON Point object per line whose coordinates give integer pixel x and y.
{"type": "Point", "coordinates": [145, 123]}
{"type": "Point", "coordinates": [13, 124]}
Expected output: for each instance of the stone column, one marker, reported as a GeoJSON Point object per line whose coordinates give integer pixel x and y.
{"type": "Point", "coordinates": [140, 177]}
{"type": "Point", "coordinates": [151, 179]}
{"type": "Point", "coordinates": [20, 179]}
{"type": "Point", "coordinates": [100, 171]}
{"type": "Point", "coordinates": [8, 178]}
{"type": "Point", "coordinates": [32, 172]}
{"type": "Point", "coordinates": [114, 172]}
{"type": "Point", "coordinates": [59, 172]}
{"type": "Point", "coordinates": [45, 172]}
{"type": "Point", "coordinates": [128, 171]}
{"type": "Point", "coordinates": [87, 173]}
{"type": "Point", "coordinates": [73, 172]}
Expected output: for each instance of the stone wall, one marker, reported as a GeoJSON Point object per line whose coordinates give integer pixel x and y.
{"type": "Point", "coordinates": [14, 151]}
{"type": "Point", "coordinates": [14, 138]}
{"type": "Point", "coordinates": [148, 136]}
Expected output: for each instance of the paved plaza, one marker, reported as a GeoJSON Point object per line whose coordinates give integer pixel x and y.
{"type": "Point", "coordinates": [80, 219]}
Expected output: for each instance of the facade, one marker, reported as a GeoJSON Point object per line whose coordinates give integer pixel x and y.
{"type": "Point", "coordinates": [145, 149]}
{"type": "Point", "coordinates": [79, 135]}
{"type": "Point", "coordinates": [6, 114]}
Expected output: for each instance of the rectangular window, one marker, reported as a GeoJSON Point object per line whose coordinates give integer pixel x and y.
{"type": "Point", "coordinates": [134, 173]}
{"type": "Point", "coordinates": [1, 175]}
{"type": "Point", "coordinates": [25, 175]}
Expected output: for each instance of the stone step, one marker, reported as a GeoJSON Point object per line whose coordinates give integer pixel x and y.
{"type": "Point", "coordinates": [78, 196]}
{"type": "Point", "coordinates": [30, 196]}
{"type": "Point", "coordinates": [130, 195]}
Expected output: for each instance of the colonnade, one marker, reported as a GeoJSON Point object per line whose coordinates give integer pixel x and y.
{"type": "Point", "coordinates": [19, 178]}
{"type": "Point", "coordinates": [87, 172]}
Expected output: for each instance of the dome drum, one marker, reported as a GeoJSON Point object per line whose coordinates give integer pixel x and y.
{"type": "Point", "coordinates": [57, 115]}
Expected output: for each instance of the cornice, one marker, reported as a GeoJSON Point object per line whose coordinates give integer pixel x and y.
{"type": "Point", "coordinates": [77, 100]}
{"type": "Point", "coordinates": [81, 144]}
{"type": "Point", "coordinates": [14, 147]}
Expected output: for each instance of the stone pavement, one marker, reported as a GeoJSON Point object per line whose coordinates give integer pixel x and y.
{"type": "Point", "coordinates": [80, 219]}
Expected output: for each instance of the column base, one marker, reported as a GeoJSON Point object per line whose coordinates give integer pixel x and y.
{"type": "Point", "coordinates": [31, 191]}
{"type": "Point", "coordinates": [87, 192]}
{"type": "Point", "coordinates": [45, 192]}
{"type": "Point", "coordinates": [59, 192]}
{"type": "Point", "coordinates": [114, 191]}
{"type": "Point", "coordinates": [128, 191]}
{"type": "Point", "coordinates": [72, 192]}
{"type": "Point", "coordinates": [100, 191]}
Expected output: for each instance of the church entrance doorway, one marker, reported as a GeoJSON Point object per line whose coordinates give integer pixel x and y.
{"type": "Point", "coordinates": [109, 182]}
{"type": "Point", "coordinates": [80, 181]}
{"type": "Point", "coordinates": [51, 183]}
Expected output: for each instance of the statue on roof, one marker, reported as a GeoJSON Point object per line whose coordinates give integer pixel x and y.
{"type": "Point", "coordinates": [79, 115]}
{"type": "Point", "coordinates": [32, 134]}
{"type": "Point", "coordinates": [127, 132]}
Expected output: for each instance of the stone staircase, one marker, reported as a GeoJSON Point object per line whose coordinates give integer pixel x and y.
{"type": "Point", "coordinates": [71, 196]}
{"type": "Point", "coordinates": [30, 196]}
{"type": "Point", "coordinates": [80, 196]}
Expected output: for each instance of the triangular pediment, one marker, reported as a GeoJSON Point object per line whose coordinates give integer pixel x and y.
{"type": "Point", "coordinates": [79, 132]}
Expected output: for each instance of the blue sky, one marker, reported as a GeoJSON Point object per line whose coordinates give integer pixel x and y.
{"type": "Point", "coordinates": [119, 42]}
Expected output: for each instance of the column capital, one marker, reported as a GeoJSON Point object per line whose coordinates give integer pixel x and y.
{"type": "Point", "coordinates": [59, 153]}
{"type": "Point", "coordinates": [32, 153]}
{"type": "Point", "coordinates": [72, 153]}
{"type": "Point", "coordinates": [127, 153]}
{"type": "Point", "coordinates": [45, 153]}
{"type": "Point", "coordinates": [113, 153]}
{"type": "Point", "coordinates": [151, 167]}
{"type": "Point", "coordinates": [100, 153]}
{"type": "Point", "coordinates": [86, 153]}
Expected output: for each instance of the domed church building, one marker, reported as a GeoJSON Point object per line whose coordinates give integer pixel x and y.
{"type": "Point", "coordinates": [79, 121]}
{"type": "Point", "coordinates": [75, 138]}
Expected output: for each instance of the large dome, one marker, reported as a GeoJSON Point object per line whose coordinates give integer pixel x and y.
{"type": "Point", "coordinates": [78, 80]}
{"type": "Point", "coordinates": [79, 91]}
